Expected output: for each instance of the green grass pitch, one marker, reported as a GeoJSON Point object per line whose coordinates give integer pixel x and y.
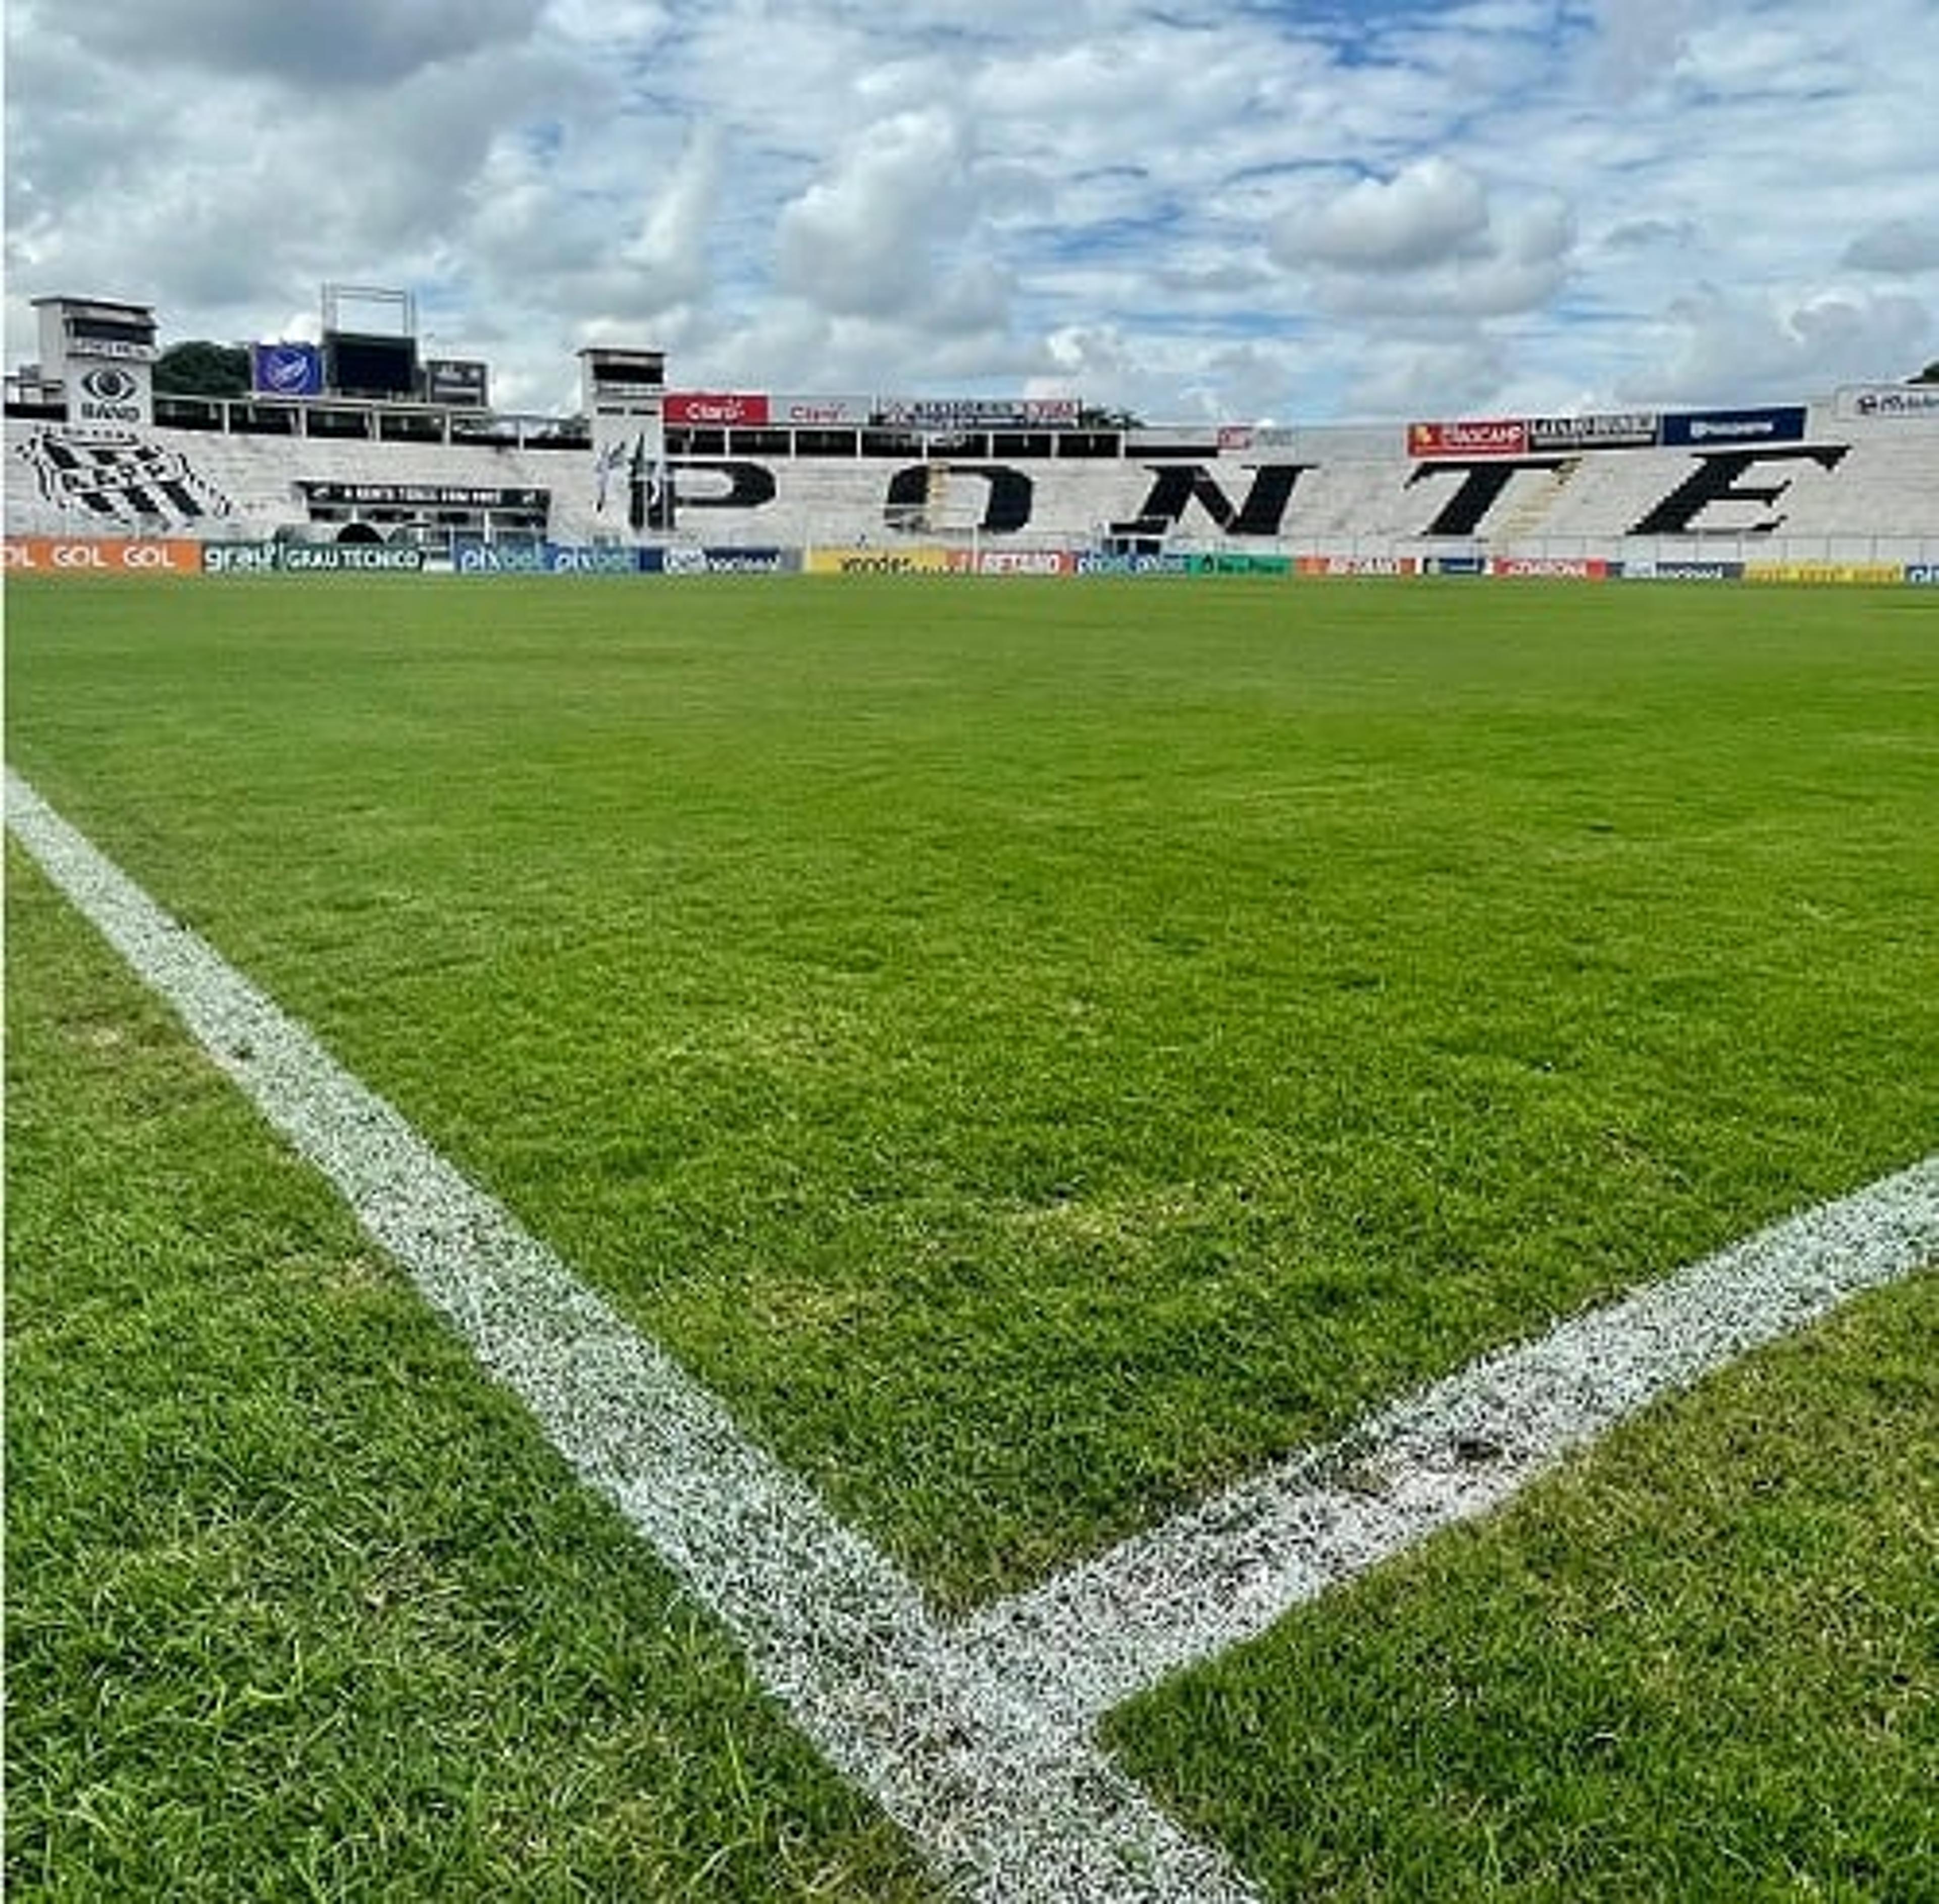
{"type": "Point", "coordinates": [1038, 1051]}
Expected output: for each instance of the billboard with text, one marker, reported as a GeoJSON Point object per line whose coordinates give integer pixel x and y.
{"type": "Point", "coordinates": [718, 409]}
{"type": "Point", "coordinates": [1889, 402]}
{"type": "Point", "coordinates": [1728, 429]}
{"type": "Point", "coordinates": [1498, 436]}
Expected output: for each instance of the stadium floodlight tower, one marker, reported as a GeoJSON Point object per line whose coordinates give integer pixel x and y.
{"type": "Point", "coordinates": [624, 392]}
{"type": "Point", "coordinates": [369, 342]}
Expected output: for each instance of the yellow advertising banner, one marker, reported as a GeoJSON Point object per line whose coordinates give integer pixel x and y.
{"type": "Point", "coordinates": [921, 560]}
{"type": "Point", "coordinates": [1824, 572]}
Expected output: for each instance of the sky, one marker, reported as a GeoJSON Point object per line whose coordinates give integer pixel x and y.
{"type": "Point", "coordinates": [1306, 210]}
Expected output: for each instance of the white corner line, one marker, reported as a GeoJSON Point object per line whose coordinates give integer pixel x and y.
{"type": "Point", "coordinates": [976, 1739]}
{"type": "Point", "coordinates": [1222, 1573]}
{"type": "Point", "coordinates": [1006, 1808]}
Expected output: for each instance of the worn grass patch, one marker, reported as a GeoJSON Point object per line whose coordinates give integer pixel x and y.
{"type": "Point", "coordinates": [1704, 1661]}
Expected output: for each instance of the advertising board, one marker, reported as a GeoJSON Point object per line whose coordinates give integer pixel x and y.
{"type": "Point", "coordinates": [349, 558]}
{"type": "Point", "coordinates": [1654, 569]}
{"type": "Point", "coordinates": [918, 561]}
{"type": "Point", "coordinates": [1097, 563]}
{"type": "Point", "coordinates": [111, 396]}
{"type": "Point", "coordinates": [1729, 429]}
{"type": "Point", "coordinates": [1226, 563]}
{"type": "Point", "coordinates": [975, 412]}
{"type": "Point", "coordinates": [801, 411]}
{"type": "Point", "coordinates": [1024, 561]}
{"type": "Point", "coordinates": [1359, 565]}
{"type": "Point", "coordinates": [431, 495]}
{"type": "Point", "coordinates": [50, 555]}
{"type": "Point", "coordinates": [280, 369]}
{"type": "Point", "coordinates": [1497, 436]}
{"type": "Point", "coordinates": [718, 408]}
{"type": "Point", "coordinates": [594, 558]}
{"type": "Point", "coordinates": [239, 558]}
{"type": "Point", "coordinates": [1616, 430]}
{"type": "Point", "coordinates": [501, 559]}
{"type": "Point", "coordinates": [1889, 402]}
{"type": "Point", "coordinates": [1861, 573]}
{"type": "Point", "coordinates": [462, 382]}
{"type": "Point", "coordinates": [1572, 568]}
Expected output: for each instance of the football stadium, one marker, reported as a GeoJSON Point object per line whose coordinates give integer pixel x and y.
{"type": "Point", "coordinates": [862, 1146]}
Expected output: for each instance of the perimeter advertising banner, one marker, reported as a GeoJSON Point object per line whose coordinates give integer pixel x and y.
{"type": "Point", "coordinates": [1862, 572]}
{"type": "Point", "coordinates": [1573, 568]}
{"type": "Point", "coordinates": [1678, 569]}
{"type": "Point", "coordinates": [308, 558]}
{"type": "Point", "coordinates": [1498, 436]}
{"type": "Point", "coordinates": [478, 558]}
{"type": "Point", "coordinates": [687, 561]}
{"type": "Point", "coordinates": [918, 561]}
{"type": "Point", "coordinates": [1359, 565]}
{"type": "Point", "coordinates": [1023, 561]}
{"type": "Point", "coordinates": [50, 554]}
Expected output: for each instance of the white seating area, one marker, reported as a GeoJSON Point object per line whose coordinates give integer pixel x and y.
{"type": "Point", "coordinates": [1860, 490]}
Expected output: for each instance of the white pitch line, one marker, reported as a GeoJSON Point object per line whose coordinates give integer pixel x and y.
{"type": "Point", "coordinates": [976, 1739]}
{"type": "Point", "coordinates": [1184, 1591]}
{"type": "Point", "coordinates": [1007, 1808]}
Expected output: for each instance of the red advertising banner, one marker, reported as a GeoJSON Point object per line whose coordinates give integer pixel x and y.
{"type": "Point", "coordinates": [1501, 436]}
{"type": "Point", "coordinates": [717, 408]}
{"type": "Point", "coordinates": [51, 554]}
{"type": "Point", "coordinates": [1025, 562]}
{"type": "Point", "coordinates": [1574, 568]}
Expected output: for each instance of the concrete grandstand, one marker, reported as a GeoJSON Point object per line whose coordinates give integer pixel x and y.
{"type": "Point", "coordinates": [1851, 478]}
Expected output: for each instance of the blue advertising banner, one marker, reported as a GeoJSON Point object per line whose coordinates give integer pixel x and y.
{"type": "Point", "coordinates": [286, 369]}
{"type": "Point", "coordinates": [601, 558]}
{"type": "Point", "coordinates": [1093, 564]}
{"type": "Point", "coordinates": [501, 559]}
{"type": "Point", "coordinates": [1454, 565]}
{"type": "Point", "coordinates": [476, 558]}
{"type": "Point", "coordinates": [1732, 429]}
{"type": "Point", "coordinates": [1923, 575]}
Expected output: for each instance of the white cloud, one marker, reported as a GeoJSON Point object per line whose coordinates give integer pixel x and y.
{"type": "Point", "coordinates": [1311, 211]}
{"type": "Point", "coordinates": [1424, 215]}
{"type": "Point", "coordinates": [1718, 346]}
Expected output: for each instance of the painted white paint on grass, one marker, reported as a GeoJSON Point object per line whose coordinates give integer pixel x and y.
{"type": "Point", "coordinates": [1188, 1590]}
{"type": "Point", "coordinates": [977, 1739]}
{"type": "Point", "coordinates": [1004, 1805]}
